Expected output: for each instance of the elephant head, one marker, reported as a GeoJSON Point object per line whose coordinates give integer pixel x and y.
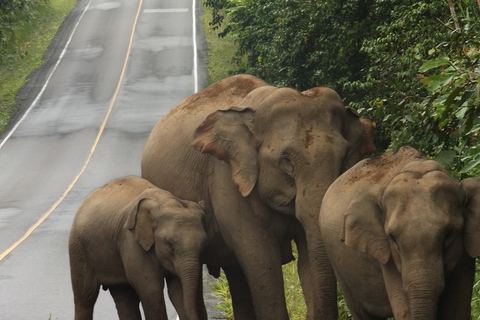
{"type": "Point", "coordinates": [174, 230]}
{"type": "Point", "coordinates": [416, 225]}
{"type": "Point", "coordinates": [288, 147]}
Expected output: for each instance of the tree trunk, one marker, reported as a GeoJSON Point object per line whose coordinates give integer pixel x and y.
{"type": "Point", "coordinates": [454, 14]}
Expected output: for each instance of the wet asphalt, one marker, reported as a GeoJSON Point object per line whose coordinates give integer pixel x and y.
{"type": "Point", "coordinates": [52, 155]}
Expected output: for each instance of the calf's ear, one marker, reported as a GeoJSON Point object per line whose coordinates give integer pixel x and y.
{"type": "Point", "coordinates": [140, 221]}
{"type": "Point", "coordinates": [363, 229]}
{"type": "Point", "coordinates": [472, 216]}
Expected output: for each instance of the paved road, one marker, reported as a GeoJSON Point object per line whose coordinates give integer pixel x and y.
{"type": "Point", "coordinates": [88, 97]}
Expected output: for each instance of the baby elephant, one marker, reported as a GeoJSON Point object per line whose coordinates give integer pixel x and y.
{"type": "Point", "coordinates": [401, 235]}
{"type": "Point", "coordinates": [129, 236]}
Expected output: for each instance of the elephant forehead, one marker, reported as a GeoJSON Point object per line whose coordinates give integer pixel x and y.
{"type": "Point", "coordinates": [432, 181]}
{"type": "Point", "coordinates": [286, 102]}
{"type": "Point", "coordinates": [434, 192]}
{"type": "Point", "coordinates": [298, 121]}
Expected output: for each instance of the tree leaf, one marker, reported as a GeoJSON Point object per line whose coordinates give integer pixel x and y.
{"type": "Point", "coordinates": [434, 63]}
{"type": "Point", "coordinates": [446, 157]}
{"type": "Point", "coordinates": [472, 164]}
{"type": "Point", "coordinates": [437, 81]}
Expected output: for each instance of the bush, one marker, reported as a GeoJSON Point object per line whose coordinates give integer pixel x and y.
{"type": "Point", "coordinates": [26, 29]}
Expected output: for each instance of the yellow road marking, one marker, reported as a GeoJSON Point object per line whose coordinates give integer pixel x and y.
{"type": "Point", "coordinates": [92, 150]}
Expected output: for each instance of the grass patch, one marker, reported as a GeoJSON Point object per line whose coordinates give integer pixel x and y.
{"type": "Point", "coordinates": [296, 307]}
{"type": "Point", "coordinates": [221, 51]}
{"type": "Point", "coordinates": [297, 310]}
{"type": "Point", "coordinates": [24, 54]}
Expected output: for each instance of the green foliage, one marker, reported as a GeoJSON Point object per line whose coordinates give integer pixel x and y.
{"type": "Point", "coordinates": [26, 29]}
{"type": "Point", "coordinates": [221, 291]}
{"type": "Point", "coordinates": [15, 16]}
{"type": "Point", "coordinates": [411, 66]}
{"type": "Point", "coordinates": [220, 51]}
{"type": "Point", "coordinates": [425, 81]}
{"type": "Point", "coordinates": [298, 43]}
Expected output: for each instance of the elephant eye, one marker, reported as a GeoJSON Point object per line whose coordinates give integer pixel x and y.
{"type": "Point", "coordinates": [395, 244]}
{"type": "Point", "coordinates": [286, 164]}
{"type": "Point", "coordinates": [449, 239]}
{"type": "Point", "coordinates": [170, 247]}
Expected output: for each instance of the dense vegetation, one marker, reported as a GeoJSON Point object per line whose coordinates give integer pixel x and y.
{"type": "Point", "coordinates": [411, 66]}
{"type": "Point", "coordinates": [26, 29]}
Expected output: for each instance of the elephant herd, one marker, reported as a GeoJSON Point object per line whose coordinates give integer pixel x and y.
{"type": "Point", "coordinates": [235, 173]}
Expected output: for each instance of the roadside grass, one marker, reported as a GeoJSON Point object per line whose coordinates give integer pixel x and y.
{"type": "Point", "coordinates": [25, 54]}
{"type": "Point", "coordinates": [220, 63]}
{"type": "Point", "coordinates": [293, 293]}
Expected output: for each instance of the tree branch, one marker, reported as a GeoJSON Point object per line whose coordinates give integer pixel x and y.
{"type": "Point", "coordinates": [454, 14]}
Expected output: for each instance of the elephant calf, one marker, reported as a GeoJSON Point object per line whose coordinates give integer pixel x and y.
{"type": "Point", "coordinates": [128, 236]}
{"type": "Point", "coordinates": [401, 235]}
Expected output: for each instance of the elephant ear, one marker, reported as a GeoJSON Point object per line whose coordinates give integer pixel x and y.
{"type": "Point", "coordinates": [363, 229]}
{"type": "Point", "coordinates": [472, 216]}
{"type": "Point", "coordinates": [226, 135]}
{"type": "Point", "coordinates": [359, 134]}
{"type": "Point", "coordinates": [140, 221]}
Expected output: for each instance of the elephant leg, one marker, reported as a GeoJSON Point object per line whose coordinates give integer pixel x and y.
{"type": "Point", "coordinates": [152, 299]}
{"type": "Point", "coordinates": [84, 304]}
{"type": "Point", "coordinates": [397, 296]}
{"type": "Point", "coordinates": [202, 310]}
{"type": "Point", "coordinates": [354, 305]}
{"type": "Point", "coordinates": [175, 293]}
{"type": "Point", "coordinates": [127, 302]}
{"type": "Point", "coordinates": [249, 234]}
{"type": "Point", "coordinates": [454, 302]}
{"type": "Point", "coordinates": [317, 277]}
{"type": "Point", "coordinates": [85, 292]}
{"type": "Point", "coordinates": [261, 263]}
{"type": "Point", "coordinates": [241, 296]}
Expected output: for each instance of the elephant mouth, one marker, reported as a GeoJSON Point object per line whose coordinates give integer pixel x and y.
{"type": "Point", "coordinates": [287, 207]}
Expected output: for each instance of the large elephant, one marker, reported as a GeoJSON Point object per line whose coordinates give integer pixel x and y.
{"type": "Point", "coordinates": [401, 235]}
{"type": "Point", "coordinates": [128, 236]}
{"type": "Point", "coordinates": [262, 158]}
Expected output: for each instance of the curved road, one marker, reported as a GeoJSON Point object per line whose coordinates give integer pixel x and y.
{"type": "Point", "coordinates": [87, 115]}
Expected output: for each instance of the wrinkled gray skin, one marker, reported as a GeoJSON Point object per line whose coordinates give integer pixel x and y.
{"type": "Point", "coordinates": [262, 158]}
{"type": "Point", "coordinates": [128, 236]}
{"type": "Point", "coordinates": [401, 234]}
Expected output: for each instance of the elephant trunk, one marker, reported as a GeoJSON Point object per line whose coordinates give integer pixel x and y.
{"type": "Point", "coordinates": [321, 279]}
{"type": "Point", "coordinates": [189, 273]}
{"type": "Point", "coordinates": [423, 289]}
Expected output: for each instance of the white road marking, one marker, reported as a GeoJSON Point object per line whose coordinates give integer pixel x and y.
{"type": "Point", "coordinates": [194, 35]}
{"type": "Point", "coordinates": [176, 10]}
{"type": "Point", "coordinates": [195, 58]}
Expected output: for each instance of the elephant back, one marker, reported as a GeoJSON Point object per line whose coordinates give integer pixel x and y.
{"type": "Point", "coordinates": [379, 170]}
{"type": "Point", "coordinates": [169, 161]}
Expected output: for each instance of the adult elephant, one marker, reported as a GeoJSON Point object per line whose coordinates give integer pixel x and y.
{"type": "Point", "coordinates": [267, 156]}
{"type": "Point", "coordinates": [402, 236]}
